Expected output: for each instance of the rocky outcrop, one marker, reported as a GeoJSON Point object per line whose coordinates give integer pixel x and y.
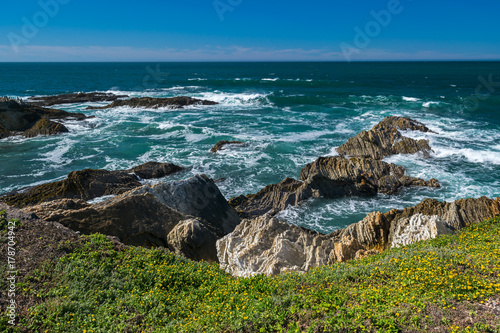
{"type": "Point", "coordinates": [89, 184]}
{"type": "Point", "coordinates": [266, 245]}
{"type": "Point", "coordinates": [329, 177]}
{"type": "Point", "coordinates": [149, 102]}
{"type": "Point", "coordinates": [18, 117]}
{"type": "Point", "coordinates": [220, 145]}
{"type": "Point", "coordinates": [197, 196]}
{"type": "Point", "coordinates": [186, 216]}
{"type": "Point", "coordinates": [385, 139]}
{"type": "Point", "coordinates": [74, 98]}
{"type": "Point", "coordinates": [45, 127]}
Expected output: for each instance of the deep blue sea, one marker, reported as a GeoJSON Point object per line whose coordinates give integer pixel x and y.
{"type": "Point", "coordinates": [288, 113]}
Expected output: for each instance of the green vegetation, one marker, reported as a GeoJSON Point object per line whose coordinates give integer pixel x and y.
{"type": "Point", "coordinates": [447, 283]}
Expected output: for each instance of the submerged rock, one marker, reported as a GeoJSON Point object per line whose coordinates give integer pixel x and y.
{"type": "Point", "coordinates": [89, 184]}
{"type": "Point", "coordinates": [329, 177]}
{"type": "Point", "coordinates": [186, 216]}
{"type": "Point", "coordinates": [384, 139]}
{"type": "Point", "coordinates": [266, 245]}
{"type": "Point", "coordinates": [74, 98]}
{"type": "Point", "coordinates": [150, 102]}
{"type": "Point", "coordinates": [220, 145]}
{"type": "Point", "coordinates": [18, 117]}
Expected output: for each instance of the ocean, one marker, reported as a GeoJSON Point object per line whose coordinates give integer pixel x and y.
{"type": "Point", "coordinates": [288, 113]}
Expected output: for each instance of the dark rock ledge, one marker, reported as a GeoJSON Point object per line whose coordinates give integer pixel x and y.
{"type": "Point", "coordinates": [149, 102]}
{"type": "Point", "coordinates": [21, 118]}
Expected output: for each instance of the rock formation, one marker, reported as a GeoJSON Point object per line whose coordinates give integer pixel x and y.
{"type": "Point", "coordinates": [384, 139]}
{"type": "Point", "coordinates": [18, 117]}
{"type": "Point", "coordinates": [220, 145]}
{"type": "Point", "coordinates": [89, 184]}
{"type": "Point", "coordinates": [186, 216]}
{"type": "Point", "coordinates": [74, 98]}
{"type": "Point", "coordinates": [266, 245]}
{"type": "Point", "coordinates": [329, 177]}
{"type": "Point", "coordinates": [150, 102]}
{"type": "Point", "coordinates": [45, 127]}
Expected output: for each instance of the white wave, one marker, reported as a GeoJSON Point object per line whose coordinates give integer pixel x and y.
{"type": "Point", "coordinates": [100, 199]}
{"type": "Point", "coordinates": [430, 104]}
{"type": "Point", "coordinates": [472, 155]}
{"type": "Point", "coordinates": [236, 99]}
{"type": "Point", "coordinates": [269, 79]}
{"type": "Point", "coordinates": [197, 79]}
{"type": "Point", "coordinates": [410, 99]}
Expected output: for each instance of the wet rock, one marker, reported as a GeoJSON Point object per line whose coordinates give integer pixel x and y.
{"type": "Point", "coordinates": [220, 145]}
{"type": "Point", "coordinates": [151, 170]}
{"type": "Point", "coordinates": [17, 117]}
{"type": "Point", "coordinates": [266, 245]}
{"type": "Point", "coordinates": [385, 139]}
{"type": "Point", "coordinates": [149, 102]}
{"type": "Point", "coordinates": [74, 98]}
{"type": "Point", "coordinates": [330, 177]}
{"type": "Point", "coordinates": [45, 127]}
{"type": "Point", "coordinates": [89, 184]}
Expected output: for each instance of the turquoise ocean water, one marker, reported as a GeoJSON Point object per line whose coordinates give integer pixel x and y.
{"type": "Point", "coordinates": [288, 113]}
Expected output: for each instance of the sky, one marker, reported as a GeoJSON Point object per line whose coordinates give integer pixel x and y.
{"type": "Point", "coordinates": [249, 30]}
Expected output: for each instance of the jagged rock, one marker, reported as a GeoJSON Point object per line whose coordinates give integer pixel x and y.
{"type": "Point", "coordinates": [416, 228]}
{"type": "Point", "coordinates": [150, 216]}
{"type": "Point", "coordinates": [220, 145]}
{"type": "Point", "coordinates": [197, 196]}
{"type": "Point", "coordinates": [89, 184]}
{"type": "Point", "coordinates": [193, 239]}
{"type": "Point", "coordinates": [74, 98]}
{"type": "Point", "coordinates": [149, 102]}
{"type": "Point", "coordinates": [330, 177]}
{"type": "Point", "coordinates": [45, 127]}
{"type": "Point", "coordinates": [266, 245]}
{"type": "Point", "coordinates": [17, 116]}
{"type": "Point", "coordinates": [384, 139]}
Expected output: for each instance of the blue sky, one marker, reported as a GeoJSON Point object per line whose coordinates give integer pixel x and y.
{"type": "Point", "coordinates": [249, 30]}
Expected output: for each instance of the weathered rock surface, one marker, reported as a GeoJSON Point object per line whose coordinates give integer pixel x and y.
{"type": "Point", "coordinates": [197, 196]}
{"type": "Point", "coordinates": [266, 245]}
{"type": "Point", "coordinates": [193, 239]}
{"type": "Point", "coordinates": [45, 127]}
{"type": "Point", "coordinates": [139, 220]}
{"type": "Point", "coordinates": [149, 102]}
{"type": "Point", "coordinates": [89, 184]}
{"type": "Point", "coordinates": [384, 139]}
{"type": "Point", "coordinates": [150, 216]}
{"type": "Point", "coordinates": [220, 145]}
{"type": "Point", "coordinates": [409, 230]}
{"type": "Point", "coordinates": [74, 98]}
{"type": "Point", "coordinates": [329, 177]}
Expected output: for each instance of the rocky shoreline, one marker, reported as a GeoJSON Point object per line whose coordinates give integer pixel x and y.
{"type": "Point", "coordinates": [192, 218]}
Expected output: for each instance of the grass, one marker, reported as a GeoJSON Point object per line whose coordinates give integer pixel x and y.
{"type": "Point", "coordinates": [446, 284]}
